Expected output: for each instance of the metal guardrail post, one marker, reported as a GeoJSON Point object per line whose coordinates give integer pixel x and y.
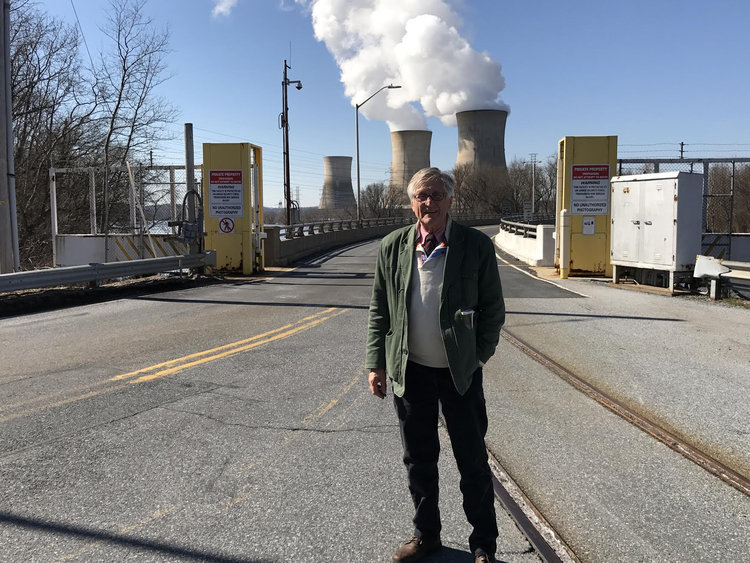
{"type": "Point", "coordinates": [103, 271]}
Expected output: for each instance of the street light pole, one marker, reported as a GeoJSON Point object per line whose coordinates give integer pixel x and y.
{"type": "Point", "coordinates": [285, 126]}
{"type": "Point", "coordinates": [356, 128]}
{"type": "Point", "coordinates": [533, 181]}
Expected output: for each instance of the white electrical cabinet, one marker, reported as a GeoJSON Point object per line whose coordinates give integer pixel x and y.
{"type": "Point", "coordinates": [656, 222]}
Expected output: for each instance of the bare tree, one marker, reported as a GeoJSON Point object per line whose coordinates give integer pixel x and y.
{"type": "Point", "coordinates": [461, 199]}
{"type": "Point", "coordinates": [482, 190]}
{"type": "Point", "coordinates": [378, 200]}
{"type": "Point", "coordinates": [546, 186]}
{"type": "Point", "coordinates": [541, 184]}
{"type": "Point", "coordinates": [128, 76]}
{"type": "Point", "coordinates": [396, 202]}
{"type": "Point", "coordinates": [52, 107]}
{"type": "Point", "coordinates": [65, 115]}
{"type": "Point", "coordinates": [373, 200]}
{"type": "Point", "coordinates": [520, 174]}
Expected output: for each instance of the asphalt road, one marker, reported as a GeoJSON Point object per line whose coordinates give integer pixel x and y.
{"type": "Point", "coordinates": [613, 492]}
{"type": "Point", "coordinates": [232, 423]}
{"type": "Point", "coordinates": [223, 423]}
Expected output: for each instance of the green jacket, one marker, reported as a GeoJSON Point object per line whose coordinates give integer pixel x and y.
{"type": "Point", "coordinates": [470, 282]}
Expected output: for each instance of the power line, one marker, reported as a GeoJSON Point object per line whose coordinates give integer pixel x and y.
{"type": "Point", "coordinates": [83, 35]}
{"type": "Point", "coordinates": [720, 144]}
{"type": "Point", "coordinates": [646, 144]}
{"type": "Point", "coordinates": [651, 151]}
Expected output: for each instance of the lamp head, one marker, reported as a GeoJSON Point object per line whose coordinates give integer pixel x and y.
{"type": "Point", "coordinates": [299, 85]}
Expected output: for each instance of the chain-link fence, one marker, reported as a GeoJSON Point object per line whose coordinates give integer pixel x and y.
{"type": "Point", "coordinates": [726, 188]}
{"type": "Point", "coordinates": [726, 194]}
{"type": "Point", "coordinates": [143, 199]}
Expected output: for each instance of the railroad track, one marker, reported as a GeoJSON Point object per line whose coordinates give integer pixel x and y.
{"type": "Point", "coordinates": [548, 545]}
{"type": "Point", "coordinates": [704, 460]}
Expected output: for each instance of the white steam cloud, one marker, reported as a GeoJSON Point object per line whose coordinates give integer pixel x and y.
{"type": "Point", "coordinates": [223, 7]}
{"type": "Point", "coordinates": [414, 44]}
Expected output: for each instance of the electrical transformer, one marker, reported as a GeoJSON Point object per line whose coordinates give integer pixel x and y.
{"type": "Point", "coordinates": [656, 226]}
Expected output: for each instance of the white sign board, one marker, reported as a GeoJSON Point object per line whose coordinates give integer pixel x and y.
{"type": "Point", "coordinates": [589, 189]}
{"type": "Point", "coordinates": [225, 193]}
{"type": "Point", "coordinates": [589, 225]}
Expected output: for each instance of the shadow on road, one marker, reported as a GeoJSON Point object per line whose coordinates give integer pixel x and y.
{"type": "Point", "coordinates": [591, 316]}
{"type": "Point", "coordinates": [136, 543]}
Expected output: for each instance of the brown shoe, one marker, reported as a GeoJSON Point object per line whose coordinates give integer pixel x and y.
{"type": "Point", "coordinates": [484, 558]}
{"type": "Point", "coordinates": [415, 550]}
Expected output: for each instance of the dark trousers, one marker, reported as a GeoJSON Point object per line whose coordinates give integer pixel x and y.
{"type": "Point", "coordinates": [466, 421]}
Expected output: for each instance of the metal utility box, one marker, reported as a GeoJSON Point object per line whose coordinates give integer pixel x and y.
{"type": "Point", "coordinates": [656, 223]}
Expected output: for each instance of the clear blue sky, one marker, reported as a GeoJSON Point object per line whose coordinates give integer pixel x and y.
{"type": "Point", "coordinates": [654, 73]}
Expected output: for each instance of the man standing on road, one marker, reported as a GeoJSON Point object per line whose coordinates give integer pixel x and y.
{"type": "Point", "coordinates": [435, 318]}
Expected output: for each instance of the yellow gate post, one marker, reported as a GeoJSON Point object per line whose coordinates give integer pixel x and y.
{"type": "Point", "coordinates": [585, 166]}
{"type": "Point", "coordinates": [233, 205]}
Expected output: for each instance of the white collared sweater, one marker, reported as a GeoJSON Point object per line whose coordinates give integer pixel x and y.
{"type": "Point", "coordinates": [425, 338]}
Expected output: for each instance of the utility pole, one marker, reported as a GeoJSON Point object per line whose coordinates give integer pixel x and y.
{"type": "Point", "coordinates": [682, 150]}
{"type": "Point", "coordinates": [533, 181]}
{"type": "Point", "coordinates": [194, 236]}
{"type": "Point", "coordinates": [285, 126]}
{"type": "Point", "coordinates": [9, 252]}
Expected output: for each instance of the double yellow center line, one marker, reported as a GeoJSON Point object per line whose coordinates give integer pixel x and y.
{"type": "Point", "coordinates": [199, 358]}
{"type": "Point", "coordinates": [169, 367]}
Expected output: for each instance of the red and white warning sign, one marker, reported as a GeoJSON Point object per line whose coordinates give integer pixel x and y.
{"type": "Point", "coordinates": [226, 225]}
{"type": "Point", "coordinates": [225, 193]}
{"type": "Point", "coordinates": [589, 189]}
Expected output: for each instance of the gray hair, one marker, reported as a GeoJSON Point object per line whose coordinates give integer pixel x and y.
{"type": "Point", "coordinates": [427, 175]}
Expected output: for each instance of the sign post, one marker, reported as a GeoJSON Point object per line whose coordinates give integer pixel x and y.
{"type": "Point", "coordinates": [585, 166]}
{"type": "Point", "coordinates": [228, 193]}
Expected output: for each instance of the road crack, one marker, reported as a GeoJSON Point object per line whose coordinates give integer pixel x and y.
{"type": "Point", "coordinates": [365, 429]}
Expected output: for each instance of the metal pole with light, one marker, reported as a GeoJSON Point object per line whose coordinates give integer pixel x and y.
{"type": "Point", "coordinates": [533, 181]}
{"type": "Point", "coordinates": [285, 126]}
{"type": "Point", "coordinates": [356, 127]}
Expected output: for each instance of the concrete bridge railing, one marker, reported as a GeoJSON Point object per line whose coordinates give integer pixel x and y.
{"type": "Point", "coordinates": [284, 246]}
{"type": "Point", "coordinates": [532, 243]}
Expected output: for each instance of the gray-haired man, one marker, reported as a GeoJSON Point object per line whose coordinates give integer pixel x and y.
{"type": "Point", "coordinates": [435, 317]}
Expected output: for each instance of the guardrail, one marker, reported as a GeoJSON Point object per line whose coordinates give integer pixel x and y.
{"type": "Point", "coordinates": [334, 225]}
{"type": "Point", "coordinates": [525, 226]}
{"type": "Point", "coordinates": [722, 273]}
{"type": "Point", "coordinates": [103, 271]}
{"type": "Point", "coordinates": [522, 229]}
{"type": "Point", "coordinates": [284, 245]}
{"type": "Point", "coordinates": [531, 241]}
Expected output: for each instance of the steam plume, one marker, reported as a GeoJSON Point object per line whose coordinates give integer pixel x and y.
{"type": "Point", "coordinates": [412, 43]}
{"type": "Point", "coordinates": [223, 7]}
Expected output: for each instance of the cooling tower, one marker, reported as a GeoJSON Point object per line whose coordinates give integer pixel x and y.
{"type": "Point", "coordinates": [337, 183]}
{"type": "Point", "coordinates": [411, 152]}
{"type": "Point", "coordinates": [481, 140]}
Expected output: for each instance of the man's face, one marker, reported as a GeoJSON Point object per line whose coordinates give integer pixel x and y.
{"type": "Point", "coordinates": [432, 212]}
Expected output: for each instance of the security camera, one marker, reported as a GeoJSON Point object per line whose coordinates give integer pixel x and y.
{"type": "Point", "coordinates": [299, 85]}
